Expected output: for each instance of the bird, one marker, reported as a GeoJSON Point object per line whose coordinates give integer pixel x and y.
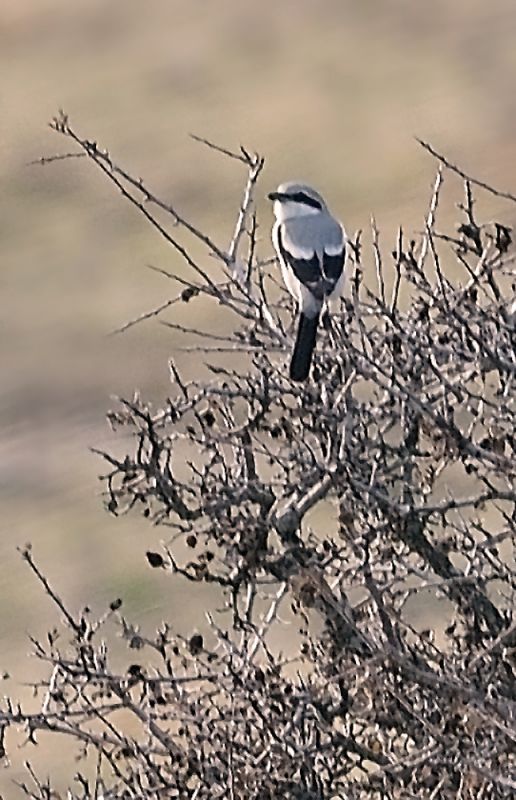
{"type": "Point", "coordinates": [311, 248]}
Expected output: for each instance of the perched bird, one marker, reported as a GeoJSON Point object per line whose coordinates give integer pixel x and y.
{"type": "Point", "coordinates": [311, 247]}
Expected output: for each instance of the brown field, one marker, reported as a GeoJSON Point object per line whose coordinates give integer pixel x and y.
{"type": "Point", "coordinates": [333, 92]}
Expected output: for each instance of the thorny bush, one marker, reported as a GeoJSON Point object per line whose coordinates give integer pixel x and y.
{"type": "Point", "coordinates": [325, 512]}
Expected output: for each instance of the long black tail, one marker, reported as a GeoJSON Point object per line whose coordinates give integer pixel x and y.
{"type": "Point", "coordinates": [303, 348]}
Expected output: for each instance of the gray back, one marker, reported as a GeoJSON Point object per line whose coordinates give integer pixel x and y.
{"type": "Point", "coordinates": [317, 231]}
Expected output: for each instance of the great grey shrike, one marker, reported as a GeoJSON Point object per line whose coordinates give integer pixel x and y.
{"type": "Point", "coordinates": [311, 248]}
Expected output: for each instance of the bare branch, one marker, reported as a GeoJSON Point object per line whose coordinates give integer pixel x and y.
{"type": "Point", "coordinates": [355, 529]}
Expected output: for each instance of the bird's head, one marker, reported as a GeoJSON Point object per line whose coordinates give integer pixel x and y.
{"type": "Point", "coordinates": [294, 199]}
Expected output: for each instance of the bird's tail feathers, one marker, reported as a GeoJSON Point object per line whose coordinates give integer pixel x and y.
{"type": "Point", "coordinates": [303, 348]}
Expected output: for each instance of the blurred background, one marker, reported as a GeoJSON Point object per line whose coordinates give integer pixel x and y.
{"type": "Point", "coordinates": [330, 91]}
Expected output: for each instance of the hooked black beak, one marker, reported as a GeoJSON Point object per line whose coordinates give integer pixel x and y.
{"type": "Point", "coordinates": [275, 196]}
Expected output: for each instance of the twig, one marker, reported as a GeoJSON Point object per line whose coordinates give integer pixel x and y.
{"type": "Point", "coordinates": [464, 175]}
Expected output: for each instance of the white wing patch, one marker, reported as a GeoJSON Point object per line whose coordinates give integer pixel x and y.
{"type": "Point", "coordinates": [299, 253]}
{"type": "Point", "coordinates": [334, 250]}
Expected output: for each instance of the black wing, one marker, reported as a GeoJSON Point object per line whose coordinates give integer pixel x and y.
{"type": "Point", "coordinates": [307, 270]}
{"type": "Point", "coordinates": [333, 266]}
{"type": "Point", "coordinates": [320, 282]}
